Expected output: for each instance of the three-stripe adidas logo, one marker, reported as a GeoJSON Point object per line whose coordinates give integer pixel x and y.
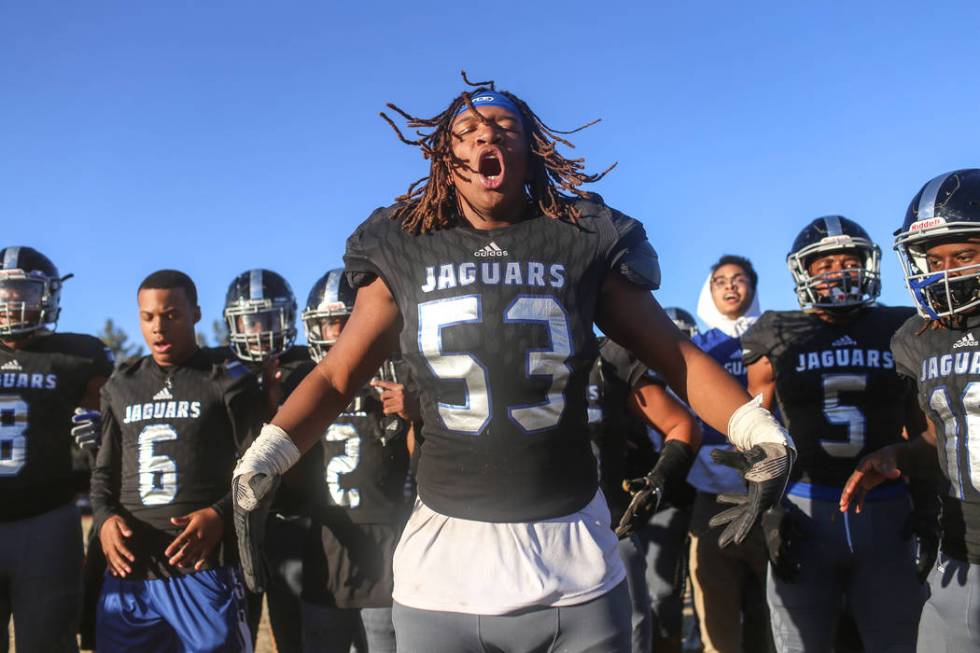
{"type": "Point", "coordinates": [13, 366]}
{"type": "Point", "coordinates": [845, 341]}
{"type": "Point", "coordinates": [966, 341]}
{"type": "Point", "coordinates": [164, 394]}
{"type": "Point", "coordinates": [491, 249]}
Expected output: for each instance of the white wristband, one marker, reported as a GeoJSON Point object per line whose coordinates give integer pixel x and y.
{"type": "Point", "coordinates": [752, 424]}
{"type": "Point", "coordinates": [272, 453]}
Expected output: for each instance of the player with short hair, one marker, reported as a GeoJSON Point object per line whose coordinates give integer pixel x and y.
{"type": "Point", "coordinates": [939, 248]}
{"type": "Point", "coordinates": [44, 377]}
{"type": "Point", "coordinates": [830, 368]}
{"type": "Point", "coordinates": [173, 423]}
{"type": "Point", "coordinates": [490, 275]}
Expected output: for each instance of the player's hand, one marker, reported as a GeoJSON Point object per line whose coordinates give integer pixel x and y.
{"type": "Point", "coordinates": [395, 401]}
{"type": "Point", "coordinates": [765, 467]}
{"type": "Point", "coordinates": [203, 530]}
{"type": "Point", "coordinates": [272, 384]}
{"type": "Point", "coordinates": [113, 536]}
{"type": "Point", "coordinates": [873, 470]}
{"type": "Point", "coordinates": [253, 494]}
{"type": "Point", "coordinates": [783, 533]}
{"type": "Point", "coordinates": [87, 429]}
{"type": "Point", "coordinates": [647, 493]}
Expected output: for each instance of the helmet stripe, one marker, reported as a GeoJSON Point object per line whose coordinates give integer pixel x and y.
{"type": "Point", "coordinates": [927, 200]}
{"type": "Point", "coordinates": [10, 256]}
{"type": "Point", "coordinates": [255, 284]}
{"type": "Point", "coordinates": [834, 227]}
{"type": "Point", "coordinates": [331, 293]}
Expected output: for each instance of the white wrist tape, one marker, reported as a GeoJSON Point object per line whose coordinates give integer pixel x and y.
{"type": "Point", "coordinates": [272, 453]}
{"type": "Point", "coordinates": [752, 424]}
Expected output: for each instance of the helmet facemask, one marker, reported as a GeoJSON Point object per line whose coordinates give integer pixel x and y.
{"type": "Point", "coordinates": [943, 293]}
{"type": "Point", "coordinates": [314, 320]}
{"type": "Point", "coordinates": [28, 302]}
{"type": "Point", "coordinates": [839, 289]}
{"type": "Point", "coordinates": [260, 329]}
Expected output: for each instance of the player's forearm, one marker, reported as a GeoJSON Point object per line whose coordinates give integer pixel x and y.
{"type": "Point", "coordinates": [711, 391]}
{"type": "Point", "coordinates": [314, 404]}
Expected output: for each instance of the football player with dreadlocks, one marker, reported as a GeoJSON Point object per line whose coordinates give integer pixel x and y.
{"type": "Point", "coordinates": [831, 371]}
{"type": "Point", "coordinates": [260, 312]}
{"type": "Point", "coordinates": [45, 377]}
{"type": "Point", "coordinates": [358, 503]}
{"type": "Point", "coordinates": [939, 351]}
{"type": "Point", "coordinates": [490, 274]}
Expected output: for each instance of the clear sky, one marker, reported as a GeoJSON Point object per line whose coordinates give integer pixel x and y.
{"type": "Point", "coordinates": [218, 136]}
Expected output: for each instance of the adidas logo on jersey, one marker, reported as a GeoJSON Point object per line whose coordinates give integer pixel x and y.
{"type": "Point", "coordinates": [845, 341]}
{"type": "Point", "coordinates": [490, 250]}
{"type": "Point", "coordinates": [163, 394]}
{"type": "Point", "coordinates": [966, 341]}
{"type": "Point", "coordinates": [12, 366]}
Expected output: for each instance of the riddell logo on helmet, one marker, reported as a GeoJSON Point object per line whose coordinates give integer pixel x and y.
{"type": "Point", "coordinates": [926, 224]}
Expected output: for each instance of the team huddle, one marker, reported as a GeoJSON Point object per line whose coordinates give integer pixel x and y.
{"type": "Point", "coordinates": [456, 462]}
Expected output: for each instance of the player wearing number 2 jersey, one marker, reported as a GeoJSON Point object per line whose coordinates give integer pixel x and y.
{"type": "Point", "coordinates": [489, 278]}
{"type": "Point", "coordinates": [173, 424]}
{"type": "Point", "coordinates": [44, 377]}
{"type": "Point", "coordinates": [834, 378]}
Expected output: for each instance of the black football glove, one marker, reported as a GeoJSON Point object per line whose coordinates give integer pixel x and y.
{"type": "Point", "coordinates": [765, 467]}
{"type": "Point", "coordinates": [672, 466]}
{"type": "Point", "coordinates": [253, 494]}
{"type": "Point", "coordinates": [783, 533]}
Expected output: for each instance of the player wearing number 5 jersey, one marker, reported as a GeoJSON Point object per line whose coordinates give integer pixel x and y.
{"type": "Point", "coordinates": [830, 369]}
{"type": "Point", "coordinates": [44, 376]}
{"type": "Point", "coordinates": [173, 424]}
{"type": "Point", "coordinates": [489, 277]}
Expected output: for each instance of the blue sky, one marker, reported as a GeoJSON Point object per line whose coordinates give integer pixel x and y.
{"type": "Point", "coordinates": [214, 137]}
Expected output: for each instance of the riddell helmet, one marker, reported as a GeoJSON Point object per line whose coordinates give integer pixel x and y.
{"type": "Point", "coordinates": [834, 290]}
{"type": "Point", "coordinates": [946, 209]}
{"type": "Point", "coordinates": [331, 296]}
{"type": "Point", "coordinates": [684, 320]}
{"type": "Point", "coordinates": [30, 289]}
{"type": "Point", "coordinates": [260, 310]}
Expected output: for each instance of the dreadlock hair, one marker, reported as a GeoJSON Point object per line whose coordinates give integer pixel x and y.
{"type": "Point", "coordinates": [431, 203]}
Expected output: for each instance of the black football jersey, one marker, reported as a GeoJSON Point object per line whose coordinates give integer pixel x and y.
{"type": "Point", "coordinates": [620, 440]}
{"type": "Point", "coordinates": [40, 387]}
{"type": "Point", "coordinates": [838, 392]}
{"type": "Point", "coordinates": [170, 439]}
{"type": "Point", "coordinates": [945, 366]}
{"type": "Point", "coordinates": [497, 331]}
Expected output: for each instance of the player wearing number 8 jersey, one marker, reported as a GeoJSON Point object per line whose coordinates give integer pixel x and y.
{"type": "Point", "coordinates": [489, 278]}
{"type": "Point", "coordinates": [831, 371]}
{"type": "Point", "coordinates": [44, 376]}
{"type": "Point", "coordinates": [173, 424]}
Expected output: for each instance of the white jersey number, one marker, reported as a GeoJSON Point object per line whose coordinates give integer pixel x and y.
{"type": "Point", "coordinates": [13, 442]}
{"type": "Point", "coordinates": [849, 416]}
{"type": "Point", "coordinates": [342, 464]}
{"type": "Point", "coordinates": [472, 416]}
{"type": "Point", "coordinates": [940, 402]}
{"type": "Point", "coordinates": [157, 473]}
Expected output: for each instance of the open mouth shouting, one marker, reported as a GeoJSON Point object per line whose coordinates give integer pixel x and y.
{"type": "Point", "coordinates": [490, 167]}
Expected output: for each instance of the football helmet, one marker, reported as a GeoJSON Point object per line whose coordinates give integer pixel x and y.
{"type": "Point", "coordinates": [832, 234]}
{"type": "Point", "coordinates": [683, 320]}
{"type": "Point", "coordinates": [30, 291]}
{"type": "Point", "coordinates": [946, 209]}
{"type": "Point", "coordinates": [332, 296]}
{"type": "Point", "coordinates": [260, 310]}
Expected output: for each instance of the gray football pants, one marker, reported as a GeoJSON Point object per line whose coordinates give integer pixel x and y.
{"type": "Point", "coordinates": [41, 580]}
{"type": "Point", "coordinates": [601, 625]}
{"type": "Point", "coordinates": [861, 557]}
{"type": "Point", "coordinates": [951, 617]}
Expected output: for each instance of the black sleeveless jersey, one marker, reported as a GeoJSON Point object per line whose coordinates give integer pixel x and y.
{"type": "Point", "coordinates": [170, 439]}
{"type": "Point", "coordinates": [836, 385]}
{"type": "Point", "coordinates": [620, 440]}
{"type": "Point", "coordinates": [497, 331]}
{"type": "Point", "coordinates": [945, 365]}
{"type": "Point", "coordinates": [40, 387]}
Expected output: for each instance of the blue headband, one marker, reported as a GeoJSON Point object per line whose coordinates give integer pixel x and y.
{"type": "Point", "coordinates": [491, 99]}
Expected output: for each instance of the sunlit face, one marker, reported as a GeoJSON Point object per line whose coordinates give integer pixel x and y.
{"type": "Point", "coordinates": [494, 154]}
{"type": "Point", "coordinates": [167, 319]}
{"type": "Point", "coordinates": [948, 257]}
{"type": "Point", "coordinates": [331, 327]}
{"type": "Point", "coordinates": [731, 290]}
{"type": "Point", "coordinates": [20, 302]}
{"type": "Point", "coordinates": [253, 324]}
{"type": "Point", "coordinates": [837, 272]}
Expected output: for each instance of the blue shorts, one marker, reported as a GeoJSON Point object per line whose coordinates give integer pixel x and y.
{"type": "Point", "coordinates": [201, 612]}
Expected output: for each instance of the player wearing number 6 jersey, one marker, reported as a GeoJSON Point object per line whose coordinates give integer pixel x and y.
{"type": "Point", "coordinates": [173, 424]}
{"type": "Point", "coordinates": [488, 278]}
{"type": "Point", "coordinates": [44, 376]}
{"type": "Point", "coordinates": [830, 369]}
